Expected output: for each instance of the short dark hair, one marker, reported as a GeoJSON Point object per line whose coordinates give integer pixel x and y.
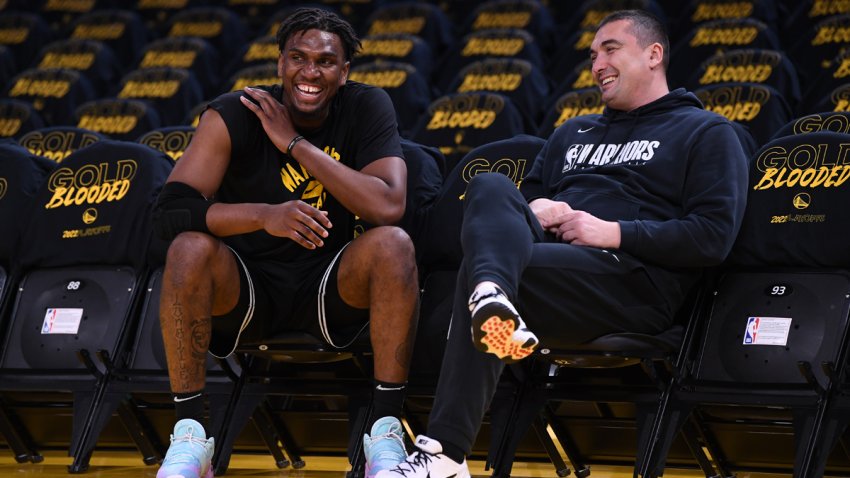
{"type": "Point", "coordinates": [646, 27]}
{"type": "Point", "coordinates": [303, 19]}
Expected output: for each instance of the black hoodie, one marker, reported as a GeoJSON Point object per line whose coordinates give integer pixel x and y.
{"type": "Point", "coordinates": [671, 173]}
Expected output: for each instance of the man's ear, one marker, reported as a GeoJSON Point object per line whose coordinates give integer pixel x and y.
{"type": "Point", "coordinates": [656, 55]}
{"type": "Point", "coordinates": [346, 67]}
{"type": "Point", "coordinates": [280, 64]}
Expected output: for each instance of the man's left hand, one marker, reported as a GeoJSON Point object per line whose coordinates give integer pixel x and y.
{"type": "Point", "coordinates": [272, 115]}
{"type": "Point", "coordinates": [584, 229]}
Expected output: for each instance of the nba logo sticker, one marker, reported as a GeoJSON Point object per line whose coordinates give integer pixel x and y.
{"type": "Point", "coordinates": [767, 331]}
{"type": "Point", "coordinates": [752, 330]}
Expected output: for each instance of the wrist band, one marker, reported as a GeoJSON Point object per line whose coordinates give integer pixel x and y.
{"type": "Point", "coordinates": [292, 144]}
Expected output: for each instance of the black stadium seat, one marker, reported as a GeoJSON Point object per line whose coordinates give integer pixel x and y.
{"type": "Point", "coordinates": [18, 117]}
{"type": "Point", "coordinates": [57, 142]}
{"type": "Point", "coordinates": [171, 140]}
{"type": "Point", "coordinates": [54, 93]}
{"type": "Point", "coordinates": [584, 101]}
{"type": "Point", "coordinates": [776, 320]}
{"type": "Point", "coordinates": [519, 80]}
{"type": "Point", "coordinates": [21, 176]}
{"type": "Point", "coordinates": [122, 30]}
{"type": "Point", "coordinates": [193, 54]}
{"type": "Point", "coordinates": [397, 48]}
{"type": "Point", "coordinates": [408, 89]}
{"type": "Point", "coordinates": [171, 91]}
{"type": "Point", "coordinates": [483, 44]}
{"type": "Point", "coordinates": [118, 118]}
{"type": "Point", "coordinates": [459, 122]}
{"type": "Point", "coordinates": [759, 107]}
{"type": "Point", "coordinates": [83, 259]}
{"type": "Point", "coordinates": [768, 67]}
{"type": "Point", "coordinates": [529, 15]}
{"type": "Point", "coordinates": [93, 59]}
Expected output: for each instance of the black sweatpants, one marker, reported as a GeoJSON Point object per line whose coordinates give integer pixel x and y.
{"type": "Point", "coordinates": [566, 294]}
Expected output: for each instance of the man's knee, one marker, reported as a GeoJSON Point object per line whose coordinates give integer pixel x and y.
{"type": "Point", "coordinates": [190, 250]}
{"type": "Point", "coordinates": [487, 183]}
{"type": "Point", "coordinates": [389, 246]}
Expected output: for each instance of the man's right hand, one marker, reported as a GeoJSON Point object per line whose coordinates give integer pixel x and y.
{"type": "Point", "coordinates": [298, 221]}
{"type": "Point", "coordinates": [550, 213]}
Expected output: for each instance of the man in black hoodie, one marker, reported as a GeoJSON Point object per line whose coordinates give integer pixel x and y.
{"type": "Point", "coordinates": [608, 232]}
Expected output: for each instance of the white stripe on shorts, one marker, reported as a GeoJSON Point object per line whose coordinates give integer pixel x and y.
{"type": "Point", "coordinates": [323, 320]}
{"type": "Point", "coordinates": [249, 314]}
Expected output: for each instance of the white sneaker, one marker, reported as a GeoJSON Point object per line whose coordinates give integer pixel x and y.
{"type": "Point", "coordinates": [427, 462]}
{"type": "Point", "coordinates": [497, 327]}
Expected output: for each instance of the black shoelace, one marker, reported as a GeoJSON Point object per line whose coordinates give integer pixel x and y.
{"type": "Point", "coordinates": [420, 460]}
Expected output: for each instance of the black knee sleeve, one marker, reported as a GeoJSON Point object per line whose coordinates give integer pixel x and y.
{"type": "Point", "coordinates": [180, 208]}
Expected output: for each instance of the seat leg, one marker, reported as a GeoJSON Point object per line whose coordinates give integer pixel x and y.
{"type": "Point", "coordinates": [568, 444]}
{"type": "Point", "coordinates": [17, 437]}
{"type": "Point", "coordinates": [141, 432]}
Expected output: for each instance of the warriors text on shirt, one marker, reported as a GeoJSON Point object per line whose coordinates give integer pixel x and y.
{"type": "Point", "coordinates": [581, 156]}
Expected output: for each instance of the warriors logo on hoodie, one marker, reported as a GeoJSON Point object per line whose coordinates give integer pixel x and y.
{"type": "Point", "coordinates": [637, 152]}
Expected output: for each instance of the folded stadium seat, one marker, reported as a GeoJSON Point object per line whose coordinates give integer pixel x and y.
{"type": "Point", "coordinates": [397, 48]}
{"type": "Point", "coordinates": [355, 11]}
{"type": "Point", "coordinates": [60, 14]}
{"type": "Point", "coordinates": [122, 30]}
{"type": "Point", "coordinates": [706, 39]}
{"type": "Point", "coordinates": [529, 15]}
{"type": "Point", "coordinates": [457, 123]}
{"type": "Point", "coordinates": [262, 50]}
{"type": "Point", "coordinates": [155, 14]}
{"type": "Point", "coordinates": [835, 121]}
{"type": "Point", "coordinates": [420, 19]}
{"type": "Point", "coordinates": [816, 48]}
{"type": "Point", "coordinates": [697, 12]}
{"type": "Point", "coordinates": [835, 100]}
{"type": "Point", "coordinates": [53, 93]}
{"type": "Point", "coordinates": [7, 63]}
{"type": "Point", "coordinates": [171, 91]}
{"type": "Point", "coordinates": [759, 107]}
{"type": "Point", "coordinates": [590, 12]}
{"type": "Point", "coordinates": [254, 14]}
{"type": "Point", "coordinates": [519, 80]}
{"type": "Point", "coordinates": [803, 15]}
{"type": "Point", "coordinates": [21, 176]}
{"type": "Point", "coordinates": [193, 54]}
{"type": "Point", "coordinates": [83, 258]}
{"type": "Point", "coordinates": [483, 44]}
{"type": "Point", "coordinates": [768, 67]}
{"type": "Point", "coordinates": [578, 78]}
{"type": "Point", "coordinates": [24, 34]}
{"type": "Point", "coordinates": [118, 118]}
{"type": "Point", "coordinates": [265, 74]}
{"type": "Point", "coordinates": [571, 52]}
{"type": "Point", "coordinates": [834, 74]}
{"type": "Point", "coordinates": [18, 117]}
{"type": "Point", "coordinates": [91, 58]}
{"type": "Point", "coordinates": [219, 26]}
{"type": "Point", "coordinates": [408, 89]}
{"type": "Point", "coordinates": [293, 369]}
{"type": "Point", "coordinates": [584, 101]}
{"type": "Point", "coordinates": [57, 142]}
{"type": "Point", "coordinates": [774, 336]}
{"type": "Point", "coordinates": [171, 140]}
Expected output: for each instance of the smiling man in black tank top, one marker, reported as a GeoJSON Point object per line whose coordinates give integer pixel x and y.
{"type": "Point", "coordinates": [261, 209]}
